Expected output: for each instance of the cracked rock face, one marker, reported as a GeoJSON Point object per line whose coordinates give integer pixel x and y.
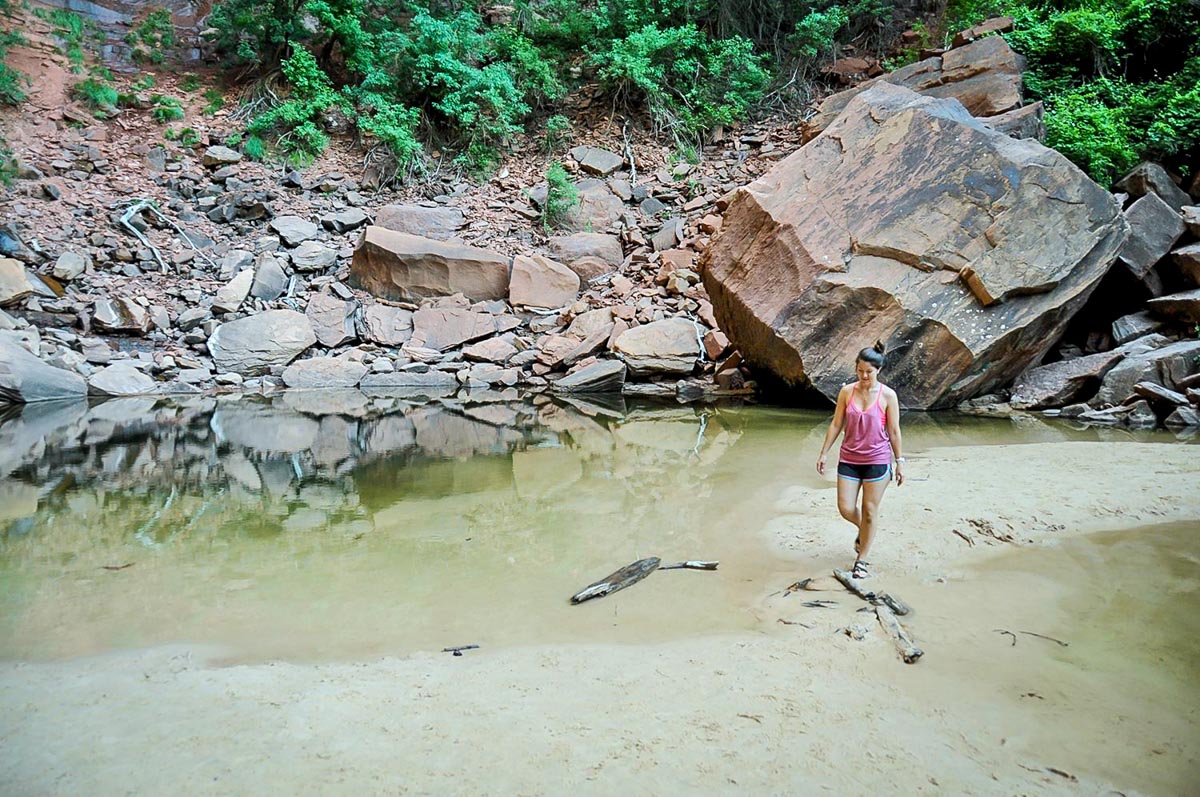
{"type": "Point", "coordinates": [910, 221]}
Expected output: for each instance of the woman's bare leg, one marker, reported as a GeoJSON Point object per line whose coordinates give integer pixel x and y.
{"type": "Point", "coordinates": [869, 514]}
{"type": "Point", "coordinates": [848, 502]}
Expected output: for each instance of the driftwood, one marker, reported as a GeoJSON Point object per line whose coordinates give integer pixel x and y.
{"type": "Point", "coordinates": [869, 595]}
{"type": "Point", "coordinates": [625, 577]}
{"type": "Point", "coordinates": [691, 564]}
{"type": "Point", "coordinates": [904, 644]}
{"type": "Point", "coordinates": [458, 651]}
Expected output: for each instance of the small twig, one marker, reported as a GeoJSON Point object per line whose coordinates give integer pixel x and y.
{"type": "Point", "coordinates": [691, 564]}
{"type": "Point", "coordinates": [1010, 633]}
{"type": "Point", "coordinates": [970, 541]}
{"type": "Point", "coordinates": [1050, 638]}
{"type": "Point", "coordinates": [819, 604]}
{"type": "Point", "coordinates": [794, 622]}
{"type": "Point", "coordinates": [758, 719]}
{"type": "Point", "coordinates": [183, 233]}
{"type": "Point", "coordinates": [117, 567]}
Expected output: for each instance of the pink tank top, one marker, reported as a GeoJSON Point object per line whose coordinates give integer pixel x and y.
{"type": "Point", "coordinates": [866, 440]}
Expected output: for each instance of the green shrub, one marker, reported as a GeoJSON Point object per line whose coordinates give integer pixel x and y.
{"type": "Point", "coordinates": [153, 39]}
{"type": "Point", "coordinates": [186, 137]}
{"type": "Point", "coordinates": [299, 121]}
{"type": "Point", "coordinates": [215, 101]}
{"type": "Point", "coordinates": [253, 32]}
{"type": "Point", "coordinates": [561, 196]}
{"type": "Point", "coordinates": [254, 148]}
{"type": "Point", "coordinates": [96, 94]}
{"type": "Point", "coordinates": [689, 82]}
{"type": "Point", "coordinates": [191, 81]}
{"type": "Point", "coordinates": [166, 109]}
{"type": "Point", "coordinates": [557, 133]}
{"type": "Point", "coordinates": [12, 82]}
{"type": "Point", "coordinates": [73, 32]}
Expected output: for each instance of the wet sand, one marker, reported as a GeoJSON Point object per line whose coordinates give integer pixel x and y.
{"type": "Point", "coordinates": [779, 709]}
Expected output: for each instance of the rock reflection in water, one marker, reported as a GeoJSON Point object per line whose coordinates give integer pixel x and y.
{"type": "Point", "coordinates": [361, 505]}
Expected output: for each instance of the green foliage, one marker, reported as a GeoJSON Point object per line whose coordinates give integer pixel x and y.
{"type": "Point", "coordinates": [191, 81]}
{"type": "Point", "coordinates": [8, 165]}
{"type": "Point", "coordinates": [301, 117]}
{"type": "Point", "coordinates": [254, 148]}
{"type": "Point", "coordinates": [215, 101]}
{"type": "Point", "coordinates": [689, 81]}
{"type": "Point", "coordinates": [561, 196]}
{"type": "Point", "coordinates": [96, 94]}
{"type": "Point", "coordinates": [186, 136]}
{"type": "Point", "coordinates": [12, 82]}
{"type": "Point", "coordinates": [258, 33]}
{"type": "Point", "coordinates": [1119, 77]}
{"type": "Point", "coordinates": [153, 38]}
{"type": "Point", "coordinates": [73, 31]}
{"type": "Point", "coordinates": [557, 133]}
{"type": "Point", "coordinates": [144, 83]}
{"type": "Point", "coordinates": [815, 34]}
{"type": "Point", "coordinates": [166, 109]}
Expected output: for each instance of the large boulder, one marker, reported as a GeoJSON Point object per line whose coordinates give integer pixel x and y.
{"type": "Point", "coordinates": [24, 378]}
{"type": "Point", "coordinates": [1150, 178]}
{"type": "Point", "coordinates": [402, 267]}
{"type": "Point", "coordinates": [1068, 381]}
{"type": "Point", "coordinates": [985, 76]}
{"type": "Point", "coordinates": [1154, 227]}
{"type": "Point", "coordinates": [670, 346]}
{"type": "Point", "coordinates": [908, 220]}
{"type": "Point", "coordinates": [1184, 306]}
{"type": "Point", "coordinates": [1165, 365]}
{"type": "Point", "coordinates": [252, 345]}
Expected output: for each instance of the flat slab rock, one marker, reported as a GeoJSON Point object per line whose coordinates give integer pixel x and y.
{"type": "Point", "coordinates": [324, 372]}
{"type": "Point", "coordinates": [440, 224]}
{"type": "Point", "coordinates": [1183, 306]}
{"type": "Point", "coordinates": [402, 267]}
{"type": "Point", "coordinates": [121, 379]}
{"type": "Point", "coordinates": [606, 376]}
{"type": "Point", "coordinates": [447, 328]}
{"type": "Point", "coordinates": [908, 220]}
{"type": "Point", "coordinates": [250, 346]}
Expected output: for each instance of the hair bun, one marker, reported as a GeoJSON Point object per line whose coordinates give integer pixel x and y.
{"type": "Point", "coordinates": [879, 347]}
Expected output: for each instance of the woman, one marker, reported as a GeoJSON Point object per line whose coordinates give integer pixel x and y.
{"type": "Point", "coordinates": [869, 413]}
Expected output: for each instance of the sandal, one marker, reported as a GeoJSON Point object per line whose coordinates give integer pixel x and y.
{"type": "Point", "coordinates": [860, 569]}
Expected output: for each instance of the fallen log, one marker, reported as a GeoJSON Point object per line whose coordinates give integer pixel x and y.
{"type": "Point", "coordinates": [904, 644]}
{"type": "Point", "coordinates": [691, 564]}
{"type": "Point", "coordinates": [869, 595]}
{"type": "Point", "coordinates": [625, 577]}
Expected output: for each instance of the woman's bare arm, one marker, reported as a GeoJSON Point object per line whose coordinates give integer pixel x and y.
{"type": "Point", "coordinates": [835, 428]}
{"type": "Point", "coordinates": [893, 424]}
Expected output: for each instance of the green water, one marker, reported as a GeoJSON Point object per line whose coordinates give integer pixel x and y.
{"type": "Point", "coordinates": [335, 526]}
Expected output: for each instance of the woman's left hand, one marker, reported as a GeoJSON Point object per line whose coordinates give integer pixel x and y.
{"type": "Point", "coordinates": [898, 473]}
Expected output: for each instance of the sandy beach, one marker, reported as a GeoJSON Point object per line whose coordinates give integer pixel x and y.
{"type": "Point", "coordinates": [795, 706]}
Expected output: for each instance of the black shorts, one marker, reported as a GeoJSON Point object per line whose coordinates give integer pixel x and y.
{"type": "Point", "coordinates": [863, 473]}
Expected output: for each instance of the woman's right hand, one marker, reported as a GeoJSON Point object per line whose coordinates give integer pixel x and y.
{"type": "Point", "coordinates": [821, 464]}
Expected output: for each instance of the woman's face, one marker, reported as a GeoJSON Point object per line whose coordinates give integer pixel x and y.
{"type": "Point", "coordinates": [866, 372]}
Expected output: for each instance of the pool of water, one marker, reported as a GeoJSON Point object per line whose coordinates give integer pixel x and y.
{"type": "Point", "coordinates": [335, 526]}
